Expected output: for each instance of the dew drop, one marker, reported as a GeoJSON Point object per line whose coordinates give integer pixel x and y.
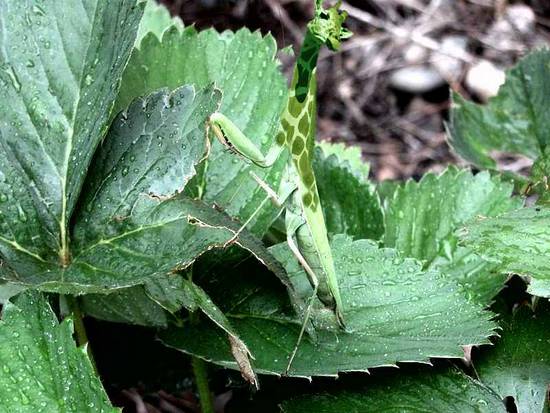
{"type": "Point", "coordinates": [21, 214]}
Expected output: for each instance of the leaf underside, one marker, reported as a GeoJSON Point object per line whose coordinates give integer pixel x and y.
{"type": "Point", "coordinates": [175, 291]}
{"type": "Point", "coordinates": [128, 305]}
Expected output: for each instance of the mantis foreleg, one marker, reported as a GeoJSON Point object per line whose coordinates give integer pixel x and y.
{"type": "Point", "coordinates": [233, 138]}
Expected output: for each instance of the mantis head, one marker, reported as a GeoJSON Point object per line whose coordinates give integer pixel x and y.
{"type": "Point", "coordinates": [327, 25]}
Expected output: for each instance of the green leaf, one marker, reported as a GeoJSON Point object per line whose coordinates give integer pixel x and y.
{"type": "Point", "coordinates": [156, 19]}
{"type": "Point", "coordinates": [128, 305]}
{"type": "Point", "coordinates": [171, 292]}
{"type": "Point", "coordinates": [244, 66]}
{"type": "Point", "coordinates": [60, 67]}
{"type": "Point", "coordinates": [174, 291]}
{"type": "Point", "coordinates": [519, 241]}
{"type": "Point", "coordinates": [425, 391]}
{"type": "Point", "coordinates": [479, 279]}
{"type": "Point", "coordinates": [393, 311]}
{"type": "Point", "coordinates": [349, 156]}
{"type": "Point", "coordinates": [540, 176]}
{"type": "Point", "coordinates": [42, 369]}
{"type": "Point", "coordinates": [134, 221]}
{"type": "Point", "coordinates": [148, 157]}
{"type": "Point", "coordinates": [515, 121]}
{"type": "Point", "coordinates": [421, 217]}
{"type": "Point", "coordinates": [9, 290]}
{"type": "Point", "coordinates": [519, 363]}
{"type": "Point", "coordinates": [386, 189]}
{"type": "Point", "coordinates": [350, 203]}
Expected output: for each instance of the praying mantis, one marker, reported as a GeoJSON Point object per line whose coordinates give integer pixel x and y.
{"type": "Point", "coordinates": [305, 225]}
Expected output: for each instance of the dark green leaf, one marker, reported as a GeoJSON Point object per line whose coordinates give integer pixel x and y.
{"type": "Point", "coordinates": [60, 67]}
{"type": "Point", "coordinates": [540, 177]}
{"type": "Point", "coordinates": [134, 221]}
{"type": "Point", "coordinates": [393, 311]}
{"type": "Point", "coordinates": [426, 391]}
{"type": "Point", "coordinates": [519, 241]}
{"type": "Point", "coordinates": [9, 290]}
{"type": "Point", "coordinates": [516, 120]}
{"type": "Point", "coordinates": [174, 292]}
{"type": "Point", "coordinates": [386, 189]}
{"type": "Point", "coordinates": [42, 369]}
{"type": "Point", "coordinates": [128, 305]}
{"type": "Point", "coordinates": [519, 363]}
{"type": "Point", "coordinates": [350, 203]}
{"type": "Point", "coordinates": [171, 292]}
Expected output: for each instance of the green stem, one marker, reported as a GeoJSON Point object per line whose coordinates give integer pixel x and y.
{"type": "Point", "coordinates": [200, 371]}
{"type": "Point", "coordinates": [201, 379]}
{"type": "Point", "coordinates": [79, 328]}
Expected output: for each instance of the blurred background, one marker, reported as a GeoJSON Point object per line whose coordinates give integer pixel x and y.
{"type": "Point", "coordinates": [388, 88]}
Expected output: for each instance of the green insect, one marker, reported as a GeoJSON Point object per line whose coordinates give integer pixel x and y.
{"type": "Point", "coordinates": [304, 221]}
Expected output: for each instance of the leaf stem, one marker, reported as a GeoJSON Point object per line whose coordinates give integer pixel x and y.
{"type": "Point", "coordinates": [200, 372]}
{"type": "Point", "coordinates": [79, 328]}
{"type": "Point", "coordinates": [201, 379]}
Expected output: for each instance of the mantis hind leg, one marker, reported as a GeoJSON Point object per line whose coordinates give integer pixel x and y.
{"type": "Point", "coordinates": [294, 223]}
{"type": "Point", "coordinates": [315, 284]}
